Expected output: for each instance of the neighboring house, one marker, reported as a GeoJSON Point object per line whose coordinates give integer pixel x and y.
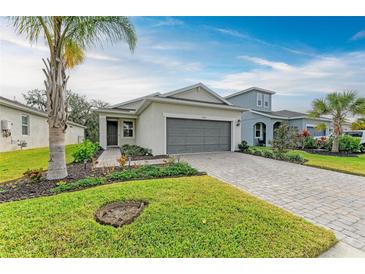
{"type": "Point", "coordinates": [260, 122]}
{"type": "Point", "coordinates": [188, 120]}
{"type": "Point", "coordinates": [25, 126]}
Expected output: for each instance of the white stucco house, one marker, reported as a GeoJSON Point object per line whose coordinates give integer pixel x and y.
{"type": "Point", "coordinates": [188, 120]}
{"type": "Point", "coordinates": [21, 124]}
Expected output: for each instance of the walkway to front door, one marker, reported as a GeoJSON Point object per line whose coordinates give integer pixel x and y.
{"type": "Point", "coordinates": [332, 199]}
{"type": "Point", "coordinates": [109, 157]}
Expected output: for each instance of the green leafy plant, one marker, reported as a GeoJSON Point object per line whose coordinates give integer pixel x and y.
{"type": "Point", "coordinates": [309, 142]}
{"type": "Point", "coordinates": [152, 171]}
{"type": "Point", "coordinates": [243, 146]}
{"type": "Point", "coordinates": [350, 144]}
{"type": "Point", "coordinates": [85, 151]}
{"type": "Point", "coordinates": [134, 150]}
{"type": "Point", "coordinates": [285, 137]}
{"type": "Point", "coordinates": [34, 175]}
{"type": "Point", "coordinates": [87, 182]}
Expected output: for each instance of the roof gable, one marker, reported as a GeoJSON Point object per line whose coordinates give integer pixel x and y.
{"type": "Point", "coordinates": [250, 90]}
{"type": "Point", "coordinates": [198, 92]}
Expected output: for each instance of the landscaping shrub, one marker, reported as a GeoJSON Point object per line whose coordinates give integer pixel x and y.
{"type": "Point", "coordinates": [85, 151]}
{"type": "Point", "coordinates": [276, 154]}
{"type": "Point", "coordinates": [321, 142]}
{"type": "Point", "coordinates": [268, 154]}
{"type": "Point", "coordinates": [350, 144]}
{"type": "Point", "coordinates": [243, 146]}
{"type": "Point", "coordinates": [150, 171]}
{"type": "Point", "coordinates": [87, 182]}
{"type": "Point", "coordinates": [134, 150]}
{"type": "Point", "coordinates": [309, 142]}
{"type": "Point", "coordinates": [285, 137]}
{"type": "Point", "coordinates": [295, 158]}
{"type": "Point", "coordinates": [34, 175]}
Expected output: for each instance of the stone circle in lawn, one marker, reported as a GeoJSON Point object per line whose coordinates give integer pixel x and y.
{"type": "Point", "coordinates": [119, 213]}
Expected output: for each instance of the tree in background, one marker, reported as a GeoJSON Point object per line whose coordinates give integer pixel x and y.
{"type": "Point", "coordinates": [36, 98]}
{"type": "Point", "coordinates": [80, 110]}
{"type": "Point", "coordinates": [339, 105]}
{"type": "Point", "coordinates": [359, 124]}
{"type": "Point", "coordinates": [67, 38]}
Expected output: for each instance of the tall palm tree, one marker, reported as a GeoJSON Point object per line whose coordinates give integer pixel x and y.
{"type": "Point", "coordinates": [338, 105]}
{"type": "Point", "coordinates": [68, 37]}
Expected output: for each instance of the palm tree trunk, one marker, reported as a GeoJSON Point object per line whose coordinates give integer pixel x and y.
{"type": "Point", "coordinates": [336, 144]}
{"type": "Point", "coordinates": [57, 157]}
{"type": "Point", "coordinates": [337, 131]}
{"type": "Point", "coordinates": [57, 118]}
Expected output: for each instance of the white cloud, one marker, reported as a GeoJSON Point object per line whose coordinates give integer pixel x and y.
{"type": "Point", "coordinates": [326, 74]}
{"type": "Point", "coordinates": [358, 36]}
{"type": "Point", "coordinates": [244, 36]}
{"type": "Point", "coordinates": [170, 22]}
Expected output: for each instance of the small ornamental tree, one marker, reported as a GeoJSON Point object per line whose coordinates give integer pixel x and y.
{"type": "Point", "coordinates": [285, 138]}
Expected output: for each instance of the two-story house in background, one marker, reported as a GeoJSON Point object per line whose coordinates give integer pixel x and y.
{"type": "Point", "coordinates": [196, 119]}
{"type": "Point", "coordinates": [260, 122]}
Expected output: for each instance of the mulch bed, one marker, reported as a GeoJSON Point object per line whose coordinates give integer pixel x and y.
{"type": "Point", "coordinates": [119, 213]}
{"type": "Point", "coordinates": [24, 188]}
{"type": "Point", "coordinates": [330, 153]}
{"type": "Point", "coordinates": [138, 158]}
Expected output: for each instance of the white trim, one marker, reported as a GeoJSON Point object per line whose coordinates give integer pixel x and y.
{"type": "Point", "coordinates": [134, 100]}
{"type": "Point", "coordinates": [198, 117]}
{"type": "Point", "coordinates": [259, 98]}
{"type": "Point", "coordinates": [27, 125]}
{"type": "Point", "coordinates": [261, 131]}
{"type": "Point", "coordinates": [201, 85]}
{"type": "Point", "coordinates": [266, 96]}
{"type": "Point", "coordinates": [134, 128]}
{"type": "Point", "coordinates": [193, 103]}
{"type": "Point", "coordinates": [248, 90]}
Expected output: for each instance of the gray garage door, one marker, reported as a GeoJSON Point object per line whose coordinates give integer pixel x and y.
{"type": "Point", "coordinates": [188, 135]}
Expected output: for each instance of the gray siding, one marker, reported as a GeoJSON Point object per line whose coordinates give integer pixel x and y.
{"type": "Point", "coordinates": [249, 100]}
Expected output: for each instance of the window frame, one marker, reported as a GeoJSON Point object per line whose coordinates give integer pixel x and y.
{"type": "Point", "coordinates": [259, 98]}
{"type": "Point", "coordinates": [260, 130]}
{"type": "Point", "coordinates": [25, 125]}
{"type": "Point", "coordinates": [133, 129]}
{"type": "Point", "coordinates": [266, 99]}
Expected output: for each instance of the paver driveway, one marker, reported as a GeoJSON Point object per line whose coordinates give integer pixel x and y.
{"type": "Point", "coordinates": [328, 198]}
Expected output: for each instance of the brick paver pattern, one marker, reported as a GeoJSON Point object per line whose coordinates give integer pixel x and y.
{"type": "Point", "coordinates": [331, 199]}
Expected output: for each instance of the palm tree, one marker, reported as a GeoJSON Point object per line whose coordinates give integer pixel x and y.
{"type": "Point", "coordinates": [359, 124]}
{"type": "Point", "coordinates": [68, 37]}
{"type": "Point", "coordinates": [338, 105]}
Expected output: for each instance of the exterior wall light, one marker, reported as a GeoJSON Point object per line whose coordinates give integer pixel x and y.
{"type": "Point", "coordinates": [238, 123]}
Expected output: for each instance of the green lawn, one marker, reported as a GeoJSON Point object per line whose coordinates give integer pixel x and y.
{"type": "Point", "coordinates": [186, 217]}
{"type": "Point", "coordinates": [352, 165]}
{"type": "Point", "coordinates": [14, 163]}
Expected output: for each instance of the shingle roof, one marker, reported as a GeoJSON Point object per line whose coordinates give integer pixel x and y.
{"type": "Point", "coordinates": [289, 113]}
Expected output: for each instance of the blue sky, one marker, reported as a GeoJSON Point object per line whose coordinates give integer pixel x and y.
{"type": "Point", "coordinates": [301, 58]}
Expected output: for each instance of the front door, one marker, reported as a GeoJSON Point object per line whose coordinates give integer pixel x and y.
{"type": "Point", "coordinates": [112, 133]}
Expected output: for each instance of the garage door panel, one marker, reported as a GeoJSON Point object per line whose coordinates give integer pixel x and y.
{"type": "Point", "coordinates": [189, 135]}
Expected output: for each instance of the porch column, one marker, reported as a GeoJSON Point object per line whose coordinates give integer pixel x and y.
{"type": "Point", "coordinates": [269, 133]}
{"type": "Point", "coordinates": [102, 130]}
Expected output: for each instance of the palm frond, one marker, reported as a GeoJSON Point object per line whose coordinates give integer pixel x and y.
{"type": "Point", "coordinates": [319, 107]}
{"type": "Point", "coordinates": [99, 30]}
{"type": "Point", "coordinates": [358, 106]}
{"type": "Point", "coordinates": [73, 54]}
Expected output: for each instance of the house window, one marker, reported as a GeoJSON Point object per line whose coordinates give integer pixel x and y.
{"type": "Point", "coordinates": [128, 129]}
{"type": "Point", "coordinates": [258, 130]}
{"type": "Point", "coordinates": [316, 133]}
{"type": "Point", "coordinates": [266, 100]}
{"type": "Point", "coordinates": [259, 99]}
{"type": "Point", "coordinates": [25, 124]}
